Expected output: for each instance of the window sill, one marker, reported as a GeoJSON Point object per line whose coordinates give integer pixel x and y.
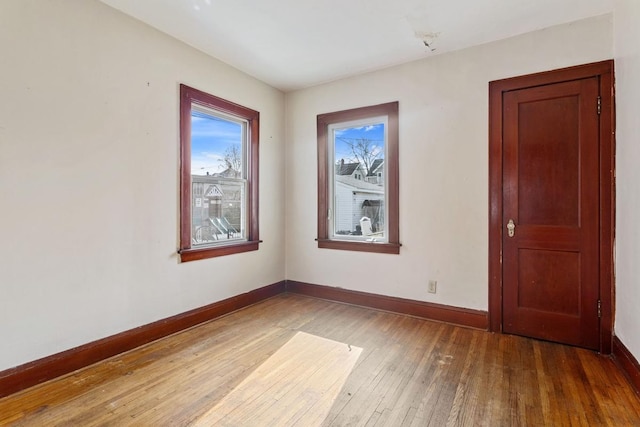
{"type": "Point", "coordinates": [381, 248]}
{"type": "Point", "coordinates": [216, 251]}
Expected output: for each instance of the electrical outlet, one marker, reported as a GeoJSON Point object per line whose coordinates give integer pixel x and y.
{"type": "Point", "coordinates": [433, 285]}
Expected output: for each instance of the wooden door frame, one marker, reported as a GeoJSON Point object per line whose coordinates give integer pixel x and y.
{"type": "Point", "coordinates": [604, 71]}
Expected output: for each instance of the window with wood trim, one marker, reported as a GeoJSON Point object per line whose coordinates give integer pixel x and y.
{"type": "Point", "coordinates": [218, 176]}
{"type": "Point", "coordinates": [358, 179]}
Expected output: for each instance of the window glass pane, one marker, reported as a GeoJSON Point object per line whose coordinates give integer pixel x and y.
{"type": "Point", "coordinates": [358, 181]}
{"type": "Point", "coordinates": [218, 178]}
{"type": "Point", "coordinates": [216, 145]}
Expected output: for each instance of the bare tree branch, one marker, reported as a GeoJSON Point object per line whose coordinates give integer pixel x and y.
{"type": "Point", "coordinates": [232, 158]}
{"type": "Point", "coordinates": [365, 151]}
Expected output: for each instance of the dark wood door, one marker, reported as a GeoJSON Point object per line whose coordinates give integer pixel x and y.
{"type": "Point", "coordinates": [551, 212]}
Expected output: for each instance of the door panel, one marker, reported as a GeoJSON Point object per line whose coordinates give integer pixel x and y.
{"type": "Point", "coordinates": [548, 152]}
{"type": "Point", "coordinates": [552, 279]}
{"type": "Point", "coordinates": [551, 193]}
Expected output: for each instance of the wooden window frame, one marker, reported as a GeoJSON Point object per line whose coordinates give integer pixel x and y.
{"type": "Point", "coordinates": [390, 110]}
{"type": "Point", "coordinates": [189, 96]}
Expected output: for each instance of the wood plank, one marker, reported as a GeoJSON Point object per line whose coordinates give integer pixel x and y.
{"type": "Point", "coordinates": [300, 380]}
{"type": "Point", "coordinates": [410, 372]}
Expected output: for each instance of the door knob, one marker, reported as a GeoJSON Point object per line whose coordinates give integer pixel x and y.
{"type": "Point", "coordinates": [511, 228]}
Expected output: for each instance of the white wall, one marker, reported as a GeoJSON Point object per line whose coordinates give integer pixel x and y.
{"type": "Point", "coordinates": [627, 57]}
{"type": "Point", "coordinates": [89, 173]}
{"type": "Point", "coordinates": [443, 163]}
{"type": "Point", "coordinates": [89, 177]}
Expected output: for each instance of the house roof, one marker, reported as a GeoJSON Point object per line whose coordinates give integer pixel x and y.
{"type": "Point", "coordinates": [228, 173]}
{"type": "Point", "coordinates": [375, 166]}
{"type": "Point", "coordinates": [346, 168]}
{"type": "Point", "coordinates": [359, 185]}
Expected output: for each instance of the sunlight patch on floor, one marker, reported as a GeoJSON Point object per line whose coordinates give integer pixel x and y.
{"type": "Point", "coordinates": [297, 385]}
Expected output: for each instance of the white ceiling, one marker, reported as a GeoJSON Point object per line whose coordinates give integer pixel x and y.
{"type": "Point", "coordinates": [291, 44]}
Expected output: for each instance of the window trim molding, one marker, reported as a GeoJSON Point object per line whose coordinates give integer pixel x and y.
{"type": "Point", "coordinates": [189, 95]}
{"type": "Point", "coordinates": [390, 110]}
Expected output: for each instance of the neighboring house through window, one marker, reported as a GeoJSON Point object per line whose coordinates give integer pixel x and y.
{"type": "Point", "coordinates": [219, 176]}
{"type": "Point", "coordinates": [358, 179]}
{"type": "Point", "coordinates": [374, 175]}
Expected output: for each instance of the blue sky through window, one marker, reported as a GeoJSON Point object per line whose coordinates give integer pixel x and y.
{"type": "Point", "coordinates": [210, 138]}
{"type": "Point", "coordinates": [346, 136]}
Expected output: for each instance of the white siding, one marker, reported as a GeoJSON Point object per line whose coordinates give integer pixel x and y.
{"type": "Point", "coordinates": [343, 215]}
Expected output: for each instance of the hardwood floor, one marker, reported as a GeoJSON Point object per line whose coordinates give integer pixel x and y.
{"type": "Point", "coordinates": [409, 372]}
